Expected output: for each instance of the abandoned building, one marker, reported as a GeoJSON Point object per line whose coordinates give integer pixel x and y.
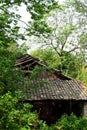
{"type": "Point", "coordinates": [51, 93]}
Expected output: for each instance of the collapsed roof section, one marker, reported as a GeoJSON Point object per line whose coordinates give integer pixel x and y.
{"type": "Point", "coordinates": [28, 63]}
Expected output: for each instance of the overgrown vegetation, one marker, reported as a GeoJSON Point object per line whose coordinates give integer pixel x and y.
{"type": "Point", "coordinates": [15, 115]}
{"type": "Point", "coordinates": [71, 65]}
{"type": "Point", "coordinates": [71, 123]}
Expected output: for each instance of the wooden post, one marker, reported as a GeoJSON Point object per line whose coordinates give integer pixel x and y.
{"type": "Point", "coordinates": [85, 109]}
{"type": "Point", "coordinates": [70, 107]}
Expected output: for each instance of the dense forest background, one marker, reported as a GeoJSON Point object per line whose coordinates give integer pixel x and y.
{"type": "Point", "coordinates": [59, 33]}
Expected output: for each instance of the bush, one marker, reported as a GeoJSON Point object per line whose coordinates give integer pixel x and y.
{"type": "Point", "coordinates": [15, 116]}
{"type": "Point", "coordinates": [71, 123]}
{"type": "Point", "coordinates": [82, 76]}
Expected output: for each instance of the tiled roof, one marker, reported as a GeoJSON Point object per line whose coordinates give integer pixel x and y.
{"type": "Point", "coordinates": [55, 89]}
{"type": "Point", "coordinates": [49, 86]}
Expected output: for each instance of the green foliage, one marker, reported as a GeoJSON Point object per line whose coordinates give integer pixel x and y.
{"type": "Point", "coordinates": [9, 31]}
{"type": "Point", "coordinates": [22, 50]}
{"type": "Point", "coordinates": [81, 6]}
{"type": "Point", "coordinates": [66, 31]}
{"type": "Point", "coordinates": [47, 55]}
{"type": "Point", "coordinates": [14, 115]}
{"type": "Point", "coordinates": [38, 10]}
{"type": "Point", "coordinates": [71, 123]}
{"type": "Point", "coordinates": [82, 76]}
{"type": "Point", "coordinates": [36, 72]}
{"type": "Point", "coordinates": [39, 27]}
{"type": "Point", "coordinates": [71, 64]}
{"type": "Point", "coordinates": [9, 34]}
{"type": "Point", "coordinates": [9, 76]}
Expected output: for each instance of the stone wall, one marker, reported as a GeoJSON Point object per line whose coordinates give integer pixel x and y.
{"type": "Point", "coordinates": [85, 109]}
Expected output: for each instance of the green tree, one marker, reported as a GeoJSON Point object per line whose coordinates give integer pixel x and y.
{"type": "Point", "coordinates": [67, 31]}
{"type": "Point", "coordinates": [47, 55]}
{"type": "Point", "coordinates": [10, 77]}
{"type": "Point", "coordinates": [9, 35]}
{"type": "Point", "coordinates": [71, 65]}
{"type": "Point", "coordinates": [38, 10]}
{"type": "Point", "coordinates": [9, 31]}
{"type": "Point", "coordinates": [81, 9]}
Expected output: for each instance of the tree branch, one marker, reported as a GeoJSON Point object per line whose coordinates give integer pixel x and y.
{"type": "Point", "coordinates": [75, 48]}
{"type": "Point", "coordinates": [63, 45]}
{"type": "Point", "coordinates": [14, 17]}
{"type": "Point", "coordinates": [22, 22]}
{"type": "Point", "coordinates": [55, 48]}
